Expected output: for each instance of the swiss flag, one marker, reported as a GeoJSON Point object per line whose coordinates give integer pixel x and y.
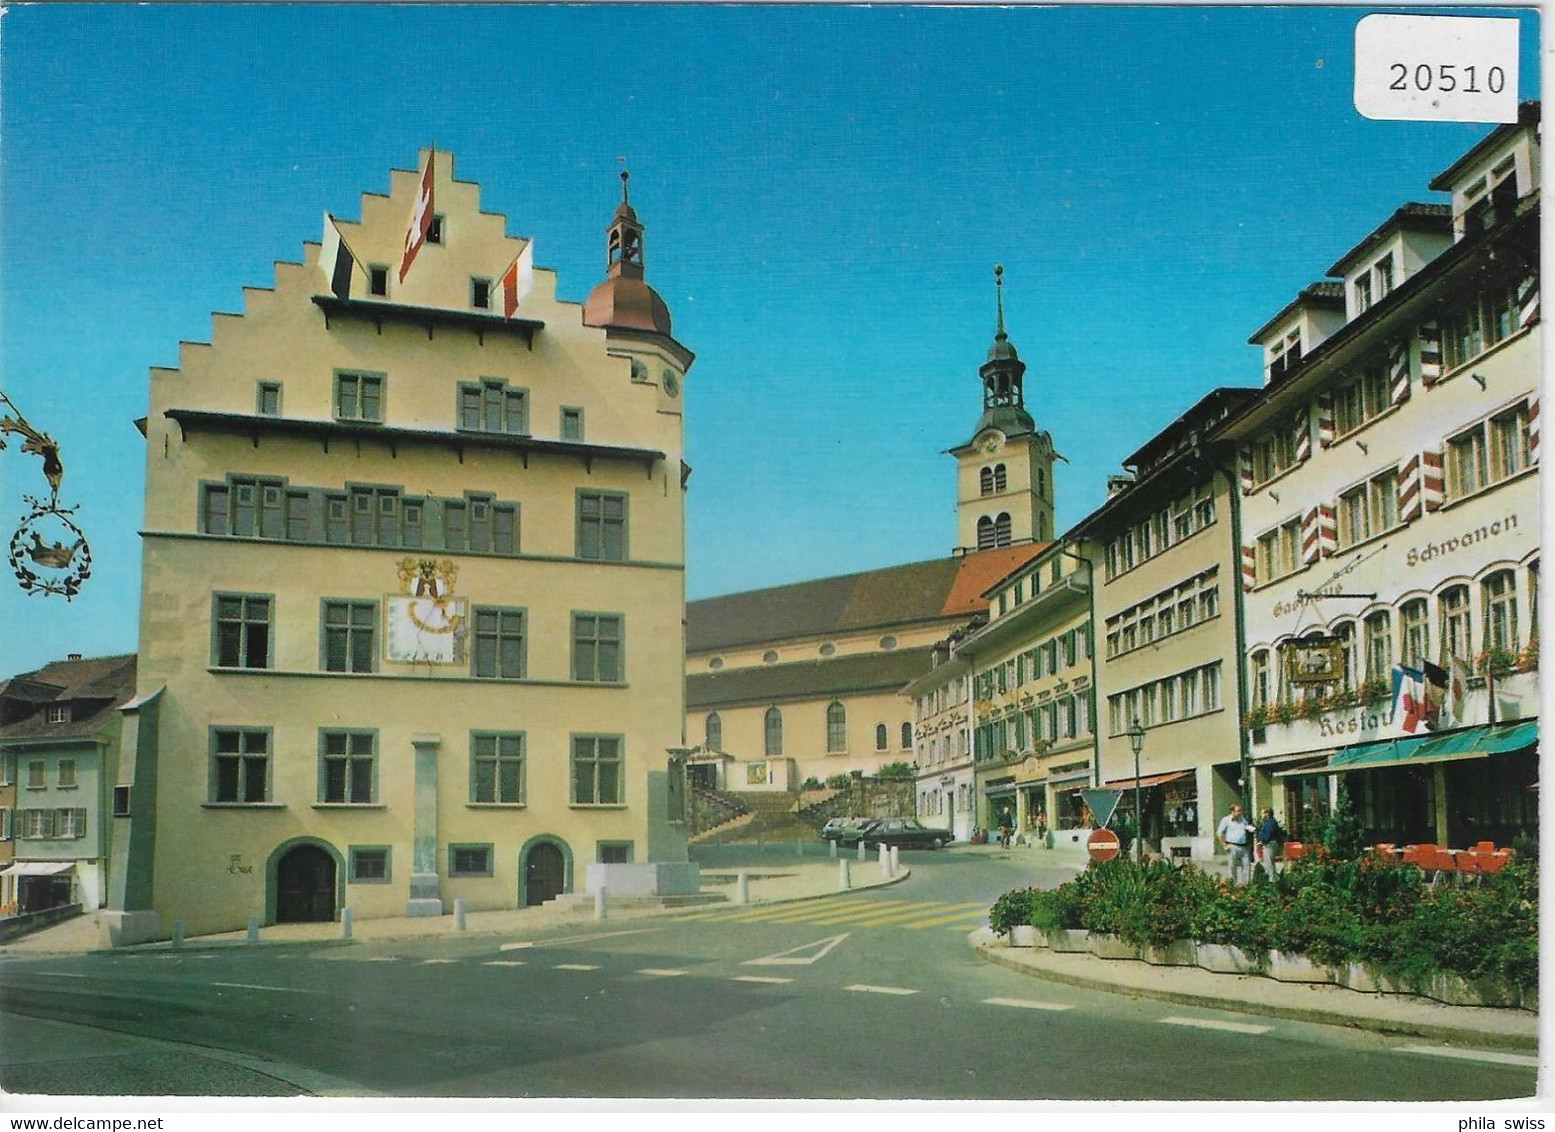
{"type": "Point", "coordinates": [420, 219]}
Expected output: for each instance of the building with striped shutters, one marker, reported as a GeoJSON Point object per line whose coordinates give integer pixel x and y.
{"type": "Point", "coordinates": [1389, 512]}
{"type": "Point", "coordinates": [413, 582]}
{"type": "Point", "coordinates": [1164, 607]}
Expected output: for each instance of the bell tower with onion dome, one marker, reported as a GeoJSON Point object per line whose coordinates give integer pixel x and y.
{"type": "Point", "coordinates": [1004, 476]}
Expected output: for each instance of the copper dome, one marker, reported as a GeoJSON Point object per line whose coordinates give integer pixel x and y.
{"type": "Point", "coordinates": [628, 303]}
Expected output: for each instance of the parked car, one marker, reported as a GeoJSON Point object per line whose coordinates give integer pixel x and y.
{"type": "Point", "coordinates": [908, 833]}
{"type": "Point", "coordinates": [846, 831]}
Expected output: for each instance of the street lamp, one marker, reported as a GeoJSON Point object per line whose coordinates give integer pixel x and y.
{"type": "Point", "coordinates": [1136, 739]}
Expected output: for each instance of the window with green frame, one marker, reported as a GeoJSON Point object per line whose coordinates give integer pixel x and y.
{"type": "Point", "coordinates": [497, 768]}
{"type": "Point", "coordinates": [492, 406]}
{"type": "Point", "coordinates": [359, 396]}
{"type": "Point", "coordinates": [602, 526]}
{"type": "Point", "coordinates": [499, 643]}
{"type": "Point", "coordinates": [596, 770]}
{"type": "Point", "coordinates": [241, 635]}
{"type": "Point", "coordinates": [348, 767]}
{"type": "Point", "coordinates": [350, 636]}
{"type": "Point", "coordinates": [596, 647]}
{"type": "Point", "coordinates": [240, 764]}
{"type": "Point", "coordinates": [369, 864]}
{"type": "Point", "coordinates": [469, 860]}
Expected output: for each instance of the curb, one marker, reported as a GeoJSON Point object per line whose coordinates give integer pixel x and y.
{"type": "Point", "coordinates": [195, 944]}
{"type": "Point", "coordinates": [990, 953]}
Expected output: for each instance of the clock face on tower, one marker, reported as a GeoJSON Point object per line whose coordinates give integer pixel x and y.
{"type": "Point", "coordinates": [990, 441]}
{"type": "Point", "coordinates": [671, 383]}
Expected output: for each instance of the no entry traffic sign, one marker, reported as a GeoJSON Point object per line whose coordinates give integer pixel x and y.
{"type": "Point", "coordinates": [1102, 844]}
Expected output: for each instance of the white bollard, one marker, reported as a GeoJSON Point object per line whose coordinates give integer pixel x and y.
{"type": "Point", "coordinates": [178, 933]}
{"type": "Point", "coordinates": [345, 923]}
{"type": "Point", "coordinates": [599, 904]}
{"type": "Point", "coordinates": [861, 849]}
{"type": "Point", "coordinates": [253, 929]}
{"type": "Point", "coordinates": [458, 915]}
{"type": "Point", "coordinates": [844, 876]}
{"type": "Point", "coordinates": [833, 845]}
{"type": "Point", "coordinates": [799, 847]}
{"type": "Point", "coordinates": [885, 862]}
{"type": "Point", "coordinates": [896, 859]}
{"type": "Point", "coordinates": [742, 887]}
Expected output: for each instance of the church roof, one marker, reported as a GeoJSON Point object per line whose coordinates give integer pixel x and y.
{"type": "Point", "coordinates": [941, 588]}
{"type": "Point", "coordinates": [807, 679]}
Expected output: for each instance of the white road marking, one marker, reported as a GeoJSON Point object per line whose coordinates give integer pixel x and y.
{"type": "Point", "coordinates": [1028, 1004]}
{"type": "Point", "coordinates": [378, 959]}
{"type": "Point", "coordinates": [61, 974]}
{"type": "Point", "coordinates": [503, 963]}
{"type": "Point", "coordinates": [868, 989]}
{"type": "Point", "coordinates": [760, 979]}
{"type": "Point", "coordinates": [573, 939]}
{"type": "Point", "coordinates": [665, 972]}
{"type": "Point", "coordinates": [1216, 1024]}
{"type": "Point", "coordinates": [257, 986]}
{"type": "Point", "coordinates": [791, 956]}
{"type": "Point", "coordinates": [577, 967]}
{"type": "Point", "coordinates": [424, 962]}
{"type": "Point", "coordinates": [1474, 1055]}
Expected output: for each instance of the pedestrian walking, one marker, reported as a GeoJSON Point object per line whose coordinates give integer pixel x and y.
{"type": "Point", "coordinates": [1270, 838]}
{"type": "Point", "coordinates": [1235, 835]}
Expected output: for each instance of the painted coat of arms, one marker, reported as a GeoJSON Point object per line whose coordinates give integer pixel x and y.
{"type": "Point", "coordinates": [426, 623]}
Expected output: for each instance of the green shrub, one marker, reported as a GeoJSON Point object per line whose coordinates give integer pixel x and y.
{"type": "Point", "coordinates": [838, 782]}
{"type": "Point", "coordinates": [1244, 916]}
{"type": "Point", "coordinates": [1011, 910]}
{"type": "Point", "coordinates": [1320, 925]}
{"type": "Point", "coordinates": [1115, 896]}
{"type": "Point", "coordinates": [812, 783]}
{"type": "Point", "coordinates": [1341, 836]}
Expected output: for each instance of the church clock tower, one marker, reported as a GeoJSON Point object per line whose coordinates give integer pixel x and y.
{"type": "Point", "coordinates": [1004, 474]}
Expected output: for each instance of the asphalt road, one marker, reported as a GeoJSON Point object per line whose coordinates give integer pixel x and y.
{"type": "Point", "coordinates": [876, 995]}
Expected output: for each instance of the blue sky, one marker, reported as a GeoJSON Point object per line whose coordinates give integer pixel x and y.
{"type": "Point", "coordinates": [826, 191]}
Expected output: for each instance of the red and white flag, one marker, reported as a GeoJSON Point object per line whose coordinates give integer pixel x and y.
{"type": "Point", "coordinates": [518, 280]}
{"type": "Point", "coordinates": [420, 219]}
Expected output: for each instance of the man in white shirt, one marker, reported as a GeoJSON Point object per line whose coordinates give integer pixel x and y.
{"type": "Point", "coordinates": [1235, 835]}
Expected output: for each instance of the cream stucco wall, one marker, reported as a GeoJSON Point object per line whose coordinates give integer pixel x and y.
{"type": "Point", "coordinates": [211, 860]}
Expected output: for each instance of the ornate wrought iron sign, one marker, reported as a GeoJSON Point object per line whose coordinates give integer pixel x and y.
{"type": "Point", "coordinates": [48, 552]}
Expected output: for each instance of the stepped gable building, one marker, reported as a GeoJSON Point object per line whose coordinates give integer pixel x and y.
{"type": "Point", "coordinates": [804, 681]}
{"type": "Point", "coordinates": [413, 582]}
{"type": "Point", "coordinates": [1388, 483]}
{"type": "Point", "coordinates": [59, 742]}
{"type": "Point", "coordinates": [1166, 560]}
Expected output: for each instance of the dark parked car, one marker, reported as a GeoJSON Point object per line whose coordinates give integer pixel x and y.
{"type": "Point", "coordinates": [908, 833]}
{"type": "Point", "coordinates": [846, 831]}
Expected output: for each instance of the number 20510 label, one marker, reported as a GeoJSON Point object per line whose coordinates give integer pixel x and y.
{"type": "Point", "coordinates": [1436, 68]}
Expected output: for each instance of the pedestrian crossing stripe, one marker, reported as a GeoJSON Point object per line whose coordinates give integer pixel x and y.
{"type": "Point", "coordinates": [913, 914]}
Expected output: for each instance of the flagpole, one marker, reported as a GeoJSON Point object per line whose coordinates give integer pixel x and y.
{"type": "Point", "coordinates": [1490, 691]}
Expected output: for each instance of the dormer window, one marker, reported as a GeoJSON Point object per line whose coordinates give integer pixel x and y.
{"type": "Point", "coordinates": [1285, 353]}
{"type": "Point", "coordinates": [1382, 273]}
{"type": "Point", "coordinates": [58, 713]}
{"type": "Point", "coordinates": [1362, 294]}
{"type": "Point", "coordinates": [1490, 200]}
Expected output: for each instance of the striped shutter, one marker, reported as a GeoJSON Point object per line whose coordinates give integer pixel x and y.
{"type": "Point", "coordinates": [1245, 459]}
{"type": "Point", "coordinates": [1398, 371]}
{"type": "Point", "coordinates": [1528, 301]}
{"type": "Point", "coordinates": [1409, 504]}
{"type": "Point", "coordinates": [1325, 418]}
{"type": "Point", "coordinates": [1309, 539]}
{"type": "Point", "coordinates": [1432, 481]}
{"type": "Point", "coordinates": [1533, 430]}
{"type": "Point", "coordinates": [1327, 529]}
{"type": "Point", "coordinates": [1303, 435]}
{"type": "Point", "coordinates": [1430, 338]}
{"type": "Point", "coordinates": [1249, 566]}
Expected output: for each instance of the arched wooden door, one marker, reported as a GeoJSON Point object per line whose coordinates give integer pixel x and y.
{"type": "Point", "coordinates": [305, 886]}
{"type": "Point", "coordinates": [545, 874]}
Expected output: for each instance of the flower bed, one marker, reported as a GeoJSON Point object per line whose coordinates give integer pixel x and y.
{"type": "Point", "coordinates": [1367, 923]}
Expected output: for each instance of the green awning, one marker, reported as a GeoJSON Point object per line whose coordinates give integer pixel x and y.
{"type": "Point", "coordinates": [1415, 750]}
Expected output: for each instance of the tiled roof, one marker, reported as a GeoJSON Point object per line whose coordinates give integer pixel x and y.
{"type": "Point", "coordinates": [94, 688]}
{"type": "Point", "coordinates": [1430, 217]}
{"type": "Point", "coordinates": [825, 606]}
{"type": "Point", "coordinates": [1321, 294]}
{"type": "Point", "coordinates": [897, 595]}
{"type": "Point", "coordinates": [807, 679]}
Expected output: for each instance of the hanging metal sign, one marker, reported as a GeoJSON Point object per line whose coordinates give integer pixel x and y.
{"type": "Point", "coordinates": [1313, 660]}
{"type": "Point", "coordinates": [48, 553]}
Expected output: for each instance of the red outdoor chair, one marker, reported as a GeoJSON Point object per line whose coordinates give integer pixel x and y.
{"type": "Point", "coordinates": [1493, 862]}
{"type": "Point", "coordinates": [1294, 850]}
{"type": "Point", "coordinates": [1443, 863]}
{"type": "Point", "coordinates": [1485, 846]}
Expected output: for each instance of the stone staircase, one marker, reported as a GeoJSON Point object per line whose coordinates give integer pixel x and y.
{"type": "Point", "coordinates": [772, 818]}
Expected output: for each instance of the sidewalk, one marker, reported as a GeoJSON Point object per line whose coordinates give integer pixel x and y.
{"type": "Point", "coordinates": [768, 884]}
{"type": "Point", "coordinates": [1269, 998]}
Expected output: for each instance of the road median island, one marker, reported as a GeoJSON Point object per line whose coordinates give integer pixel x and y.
{"type": "Point", "coordinates": [1404, 1015]}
